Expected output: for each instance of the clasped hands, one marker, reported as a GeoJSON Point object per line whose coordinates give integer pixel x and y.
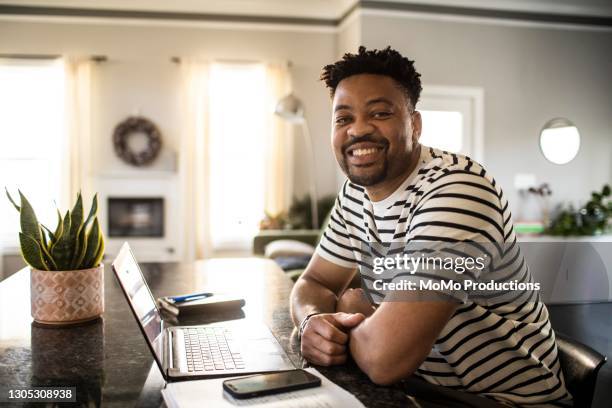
{"type": "Point", "coordinates": [325, 337]}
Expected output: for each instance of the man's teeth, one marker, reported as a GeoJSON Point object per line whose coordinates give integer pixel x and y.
{"type": "Point", "coordinates": [363, 152]}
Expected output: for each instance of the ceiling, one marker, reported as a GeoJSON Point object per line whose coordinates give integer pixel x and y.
{"type": "Point", "coordinates": [570, 7]}
{"type": "Point", "coordinates": [328, 9]}
{"type": "Point", "coordinates": [322, 9]}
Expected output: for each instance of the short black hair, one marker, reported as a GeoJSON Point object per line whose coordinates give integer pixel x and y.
{"type": "Point", "coordinates": [386, 62]}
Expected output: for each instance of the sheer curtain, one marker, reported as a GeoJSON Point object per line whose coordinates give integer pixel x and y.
{"type": "Point", "coordinates": [195, 153]}
{"type": "Point", "coordinates": [279, 141]}
{"type": "Point", "coordinates": [32, 145]}
{"type": "Point", "coordinates": [193, 158]}
{"type": "Point", "coordinates": [44, 141]}
{"type": "Point", "coordinates": [77, 170]}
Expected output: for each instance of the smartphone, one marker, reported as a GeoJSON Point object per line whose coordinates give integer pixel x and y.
{"type": "Point", "coordinates": [272, 383]}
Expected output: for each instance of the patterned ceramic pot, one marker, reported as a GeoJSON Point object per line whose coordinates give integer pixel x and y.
{"type": "Point", "coordinates": [67, 297]}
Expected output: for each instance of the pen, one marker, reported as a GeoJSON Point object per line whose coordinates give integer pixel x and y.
{"type": "Point", "coordinates": [188, 298]}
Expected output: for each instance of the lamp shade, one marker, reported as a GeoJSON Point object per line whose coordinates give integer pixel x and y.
{"type": "Point", "coordinates": [290, 108]}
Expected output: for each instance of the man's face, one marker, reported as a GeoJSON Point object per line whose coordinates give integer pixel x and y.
{"type": "Point", "coordinates": [373, 129]}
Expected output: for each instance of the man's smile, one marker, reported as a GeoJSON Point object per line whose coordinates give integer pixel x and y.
{"type": "Point", "coordinates": [364, 153]}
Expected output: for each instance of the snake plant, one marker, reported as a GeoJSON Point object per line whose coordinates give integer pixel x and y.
{"type": "Point", "coordinates": [75, 244]}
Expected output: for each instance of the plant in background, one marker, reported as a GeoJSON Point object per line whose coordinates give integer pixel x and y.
{"type": "Point", "coordinates": [543, 192]}
{"type": "Point", "coordinates": [300, 217]}
{"type": "Point", "coordinates": [76, 243]}
{"type": "Point", "coordinates": [592, 219]}
{"type": "Point", "coordinates": [273, 222]}
{"type": "Point", "coordinates": [299, 214]}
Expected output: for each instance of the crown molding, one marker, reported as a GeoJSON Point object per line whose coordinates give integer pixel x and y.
{"type": "Point", "coordinates": [368, 7]}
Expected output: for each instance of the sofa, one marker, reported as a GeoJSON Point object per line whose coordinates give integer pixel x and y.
{"type": "Point", "coordinates": [290, 249]}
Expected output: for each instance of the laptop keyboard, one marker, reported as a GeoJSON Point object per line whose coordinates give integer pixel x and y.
{"type": "Point", "coordinates": [209, 349]}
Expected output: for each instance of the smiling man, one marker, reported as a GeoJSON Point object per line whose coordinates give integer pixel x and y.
{"type": "Point", "coordinates": [399, 192]}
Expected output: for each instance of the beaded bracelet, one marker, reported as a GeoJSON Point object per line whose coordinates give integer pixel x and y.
{"type": "Point", "coordinates": [304, 321]}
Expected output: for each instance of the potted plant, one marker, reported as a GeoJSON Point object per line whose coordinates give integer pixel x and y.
{"type": "Point", "coordinates": [592, 219]}
{"type": "Point", "coordinates": [66, 275]}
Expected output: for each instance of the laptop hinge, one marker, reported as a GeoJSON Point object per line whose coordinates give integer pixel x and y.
{"type": "Point", "coordinates": [167, 349]}
{"type": "Point", "coordinates": [173, 351]}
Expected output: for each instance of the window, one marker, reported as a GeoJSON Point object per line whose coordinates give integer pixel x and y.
{"type": "Point", "coordinates": [452, 119]}
{"type": "Point", "coordinates": [237, 150]}
{"type": "Point", "coordinates": [31, 140]}
{"type": "Point", "coordinates": [443, 130]}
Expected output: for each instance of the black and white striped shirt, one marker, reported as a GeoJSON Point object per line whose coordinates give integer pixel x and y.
{"type": "Point", "coordinates": [506, 349]}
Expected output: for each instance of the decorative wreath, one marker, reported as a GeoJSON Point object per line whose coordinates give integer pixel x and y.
{"type": "Point", "coordinates": [126, 129]}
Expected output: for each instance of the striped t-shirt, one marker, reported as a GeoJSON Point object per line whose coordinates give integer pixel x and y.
{"type": "Point", "coordinates": [503, 349]}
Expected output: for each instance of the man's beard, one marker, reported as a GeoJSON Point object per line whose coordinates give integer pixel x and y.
{"type": "Point", "coordinates": [365, 180]}
{"type": "Point", "coordinates": [369, 179]}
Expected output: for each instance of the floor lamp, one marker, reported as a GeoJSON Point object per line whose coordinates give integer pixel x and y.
{"type": "Point", "coordinates": [291, 109]}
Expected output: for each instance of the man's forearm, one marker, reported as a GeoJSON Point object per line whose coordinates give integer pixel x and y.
{"type": "Point", "coordinates": [309, 296]}
{"type": "Point", "coordinates": [368, 349]}
{"type": "Point", "coordinates": [393, 342]}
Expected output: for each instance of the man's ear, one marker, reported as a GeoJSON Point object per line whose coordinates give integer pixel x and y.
{"type": "Point", "coordinates": [417, 124]}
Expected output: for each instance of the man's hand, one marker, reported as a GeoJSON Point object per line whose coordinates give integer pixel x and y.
{"type": "Point", "coordinates": [354, 301]}
{"type": "Point", "coordinates": [325, 337]}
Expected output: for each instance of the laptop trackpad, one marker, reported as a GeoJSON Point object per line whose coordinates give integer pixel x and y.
{"type": "Point", "coordinates": [261, 345]}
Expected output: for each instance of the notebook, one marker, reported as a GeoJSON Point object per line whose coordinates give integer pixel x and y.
{"type": "Point", "coordinates": [209, 393]}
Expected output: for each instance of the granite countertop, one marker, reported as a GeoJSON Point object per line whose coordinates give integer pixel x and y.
{"type": "Point", "coordinates": [110, 364]}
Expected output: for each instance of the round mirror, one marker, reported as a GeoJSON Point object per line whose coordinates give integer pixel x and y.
{"type": "Point", "coordinates": [559, 141]}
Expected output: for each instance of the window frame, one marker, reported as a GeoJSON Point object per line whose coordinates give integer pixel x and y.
{"type": "Point", "coordinates": [443, 97]}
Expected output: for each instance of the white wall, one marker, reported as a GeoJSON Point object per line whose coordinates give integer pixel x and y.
{"type": "Point", "coordinates": [348, 39]}
{"type": "Point", "coordinates": [529, 75]}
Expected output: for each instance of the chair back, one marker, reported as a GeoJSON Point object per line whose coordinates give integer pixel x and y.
{"type": "Point", "coordinates": [580, 365]}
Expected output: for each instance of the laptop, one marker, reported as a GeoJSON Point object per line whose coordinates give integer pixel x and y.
{"type": "Point", "coordinates": [195, 352]}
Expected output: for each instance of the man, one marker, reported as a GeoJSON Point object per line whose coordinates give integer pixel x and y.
{"type": "Point", "coordinates": [401, 192]}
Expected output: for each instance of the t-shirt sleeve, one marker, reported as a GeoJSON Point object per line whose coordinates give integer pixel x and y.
{"type": "Point", "coordinates": [335, 245]}
{"type": "Point", "coordinates": [463, 207]}
{"type": "Point", "coordinates": [467, 216]}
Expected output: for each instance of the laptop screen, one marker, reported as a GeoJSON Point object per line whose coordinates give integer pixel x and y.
{"type": "Point", "coordinates": [140, 299]}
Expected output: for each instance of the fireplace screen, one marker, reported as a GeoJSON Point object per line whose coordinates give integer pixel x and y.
{"type": "Point", "coordinates": [136, 217]}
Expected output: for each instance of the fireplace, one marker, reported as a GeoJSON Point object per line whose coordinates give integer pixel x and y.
{"type": "Point", "coordinates": [135, 217]}
{"type": "Point", "coordinates": [144, 210]}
